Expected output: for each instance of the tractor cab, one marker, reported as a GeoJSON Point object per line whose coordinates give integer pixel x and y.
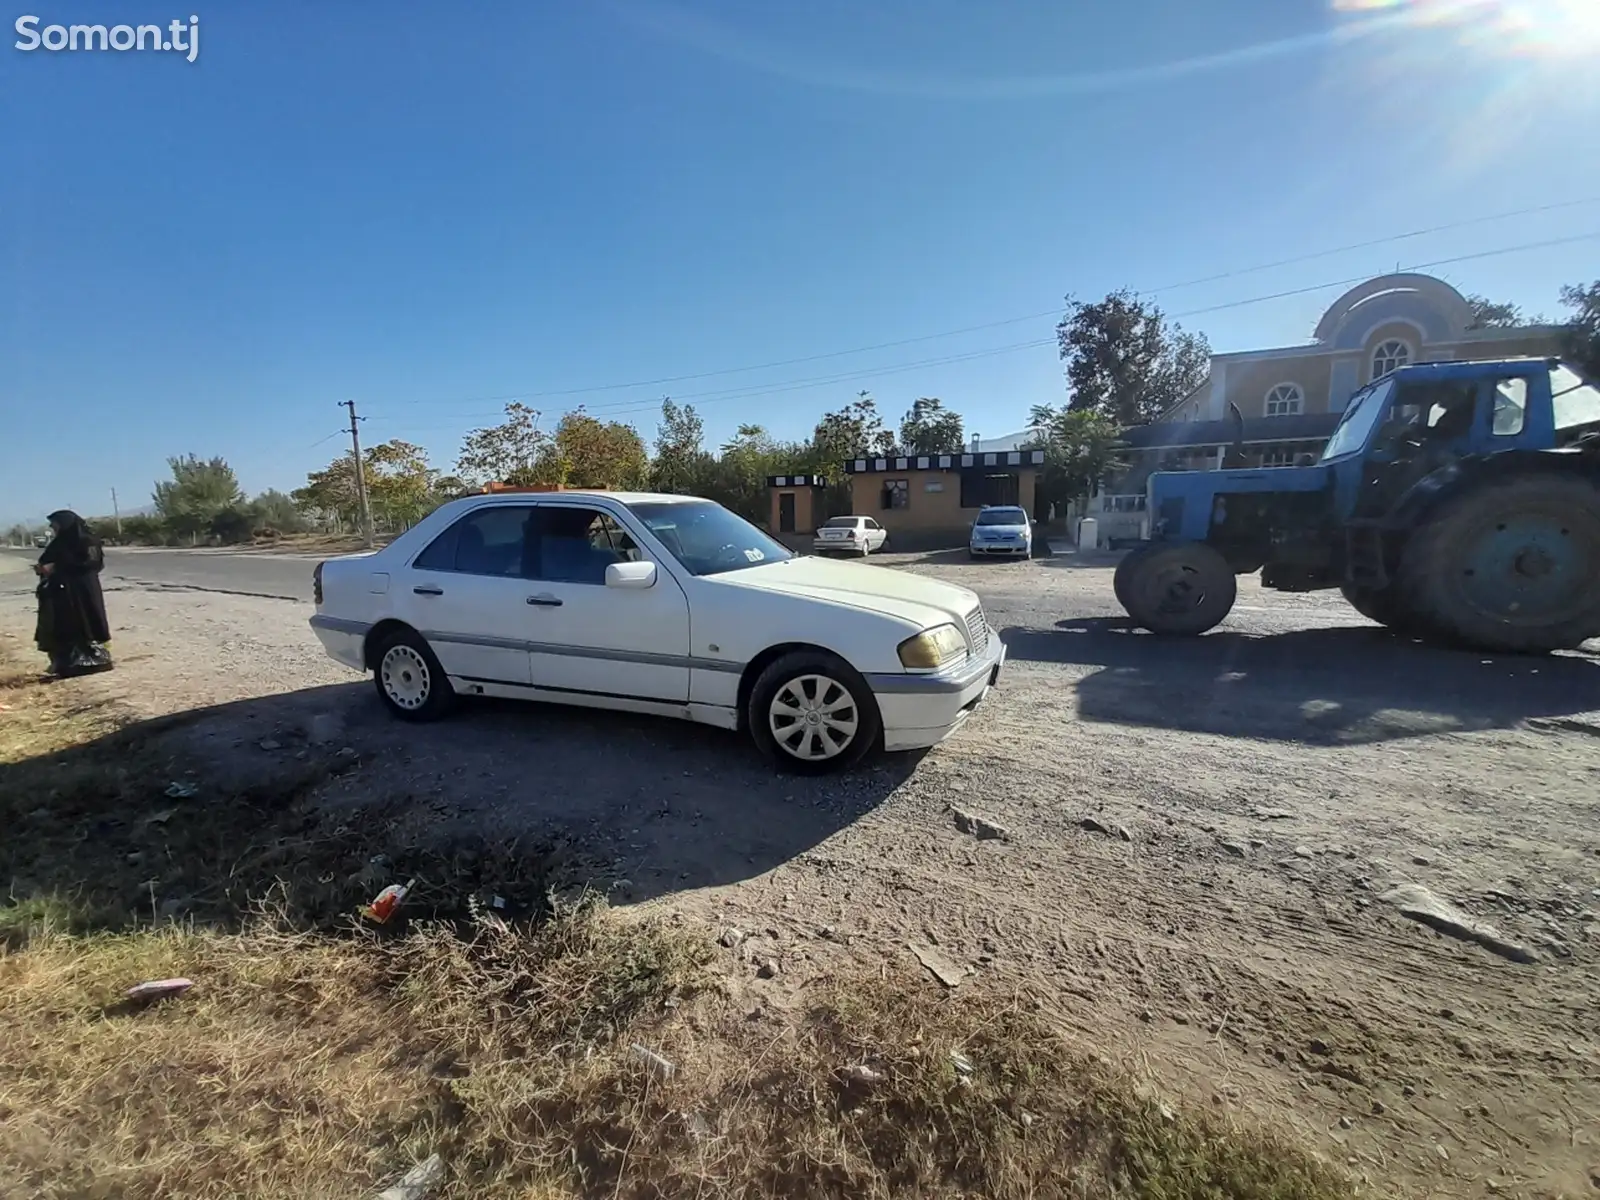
{"type": "Point", "coordinates": [1411, 449]}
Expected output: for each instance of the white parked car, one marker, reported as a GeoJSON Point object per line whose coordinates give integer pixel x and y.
{"type": "Point", "coordinates": [1001, 531]}
{"type": "Point", "coordinates": [849, 535]}
{"type": "Point", "coordinates": [658, 604]}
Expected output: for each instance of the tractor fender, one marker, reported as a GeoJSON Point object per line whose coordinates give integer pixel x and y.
{"type": "Point", "coordinates": [1426, 495]}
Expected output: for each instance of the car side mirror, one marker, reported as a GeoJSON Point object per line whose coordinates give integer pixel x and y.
{"type": "Point", "coordinates": [635, 575]}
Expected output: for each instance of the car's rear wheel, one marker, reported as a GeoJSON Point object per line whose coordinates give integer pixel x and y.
{"type": "Point", "coordinates": [409, 679]}
{"type": "Point", "coordinates": [811, 713]}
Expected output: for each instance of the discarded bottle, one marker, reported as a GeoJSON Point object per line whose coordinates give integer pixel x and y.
{"type": "Point", "coordinates": [387, 902]}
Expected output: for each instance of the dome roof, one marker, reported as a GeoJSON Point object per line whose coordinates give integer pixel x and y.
{"type": "Point", "coordinates": [1437, 310]}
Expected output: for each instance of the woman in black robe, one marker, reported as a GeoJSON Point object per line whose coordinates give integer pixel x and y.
{"type": "Point", "coordinates": [72, 611]}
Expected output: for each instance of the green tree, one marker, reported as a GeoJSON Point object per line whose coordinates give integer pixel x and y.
{"type": "Point", "coordinates": [400, 483]}
{"type": "Point", "coordinates": [1486, 314]}
{"type": "Point", "coordinates": [401, 488]}
{"type": "Point", "coordinates": [600, 454]}
{"type": "Point", "coordinates": [930, 428]}
{"type": "Point", "coordinates": [737, 478]}
{"type": "Point", "coordinates": [1125, 360]}
{"type": "Point", "coordinates": [515, 451]}
{"type": "Point", "coordinates": [1082, 450]}
{"type": "Point", "coordinates": [1582, 341]}
{"type": "Point", "coordinates": [144, 530]}
{"type": "Point", "coordinates": [329, 495]}
{"type": "Point", "coordinates": [278, 512]}
{"type": "Point", "coordinates": [855, 431]}
{"type": "Point", "coordinates": [681, 462]}
{"type": "Point", "coordinates": [198, 491]}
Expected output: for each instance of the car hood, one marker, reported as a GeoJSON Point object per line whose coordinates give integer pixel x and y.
{"type": "Point", "coordinates": [901, 594]}
{"type": "Point", "coordinates": [1008, 529]}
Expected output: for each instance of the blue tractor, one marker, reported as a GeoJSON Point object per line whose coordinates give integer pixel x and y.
{"type": "Point", "coordinates": [1459, 500]}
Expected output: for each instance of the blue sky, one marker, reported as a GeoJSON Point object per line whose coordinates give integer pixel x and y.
{"type": "Point", "coordinates": [429, 208]}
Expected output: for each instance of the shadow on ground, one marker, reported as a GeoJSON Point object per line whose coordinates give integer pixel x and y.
{"type": "Point", "coordinates": [1319, 686]}
{"type": "Point", "coordinates": [322, 788]}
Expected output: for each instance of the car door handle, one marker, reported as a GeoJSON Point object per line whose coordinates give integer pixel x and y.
{"type": "Point", "coordinates": [545, 601]}
{"type": "Point", "coordinates": [428, 589]}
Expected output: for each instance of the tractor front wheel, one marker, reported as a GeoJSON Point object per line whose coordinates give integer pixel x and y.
{"type": "Point", "coordinates": [1510, 565]}
{"type": "Point", "coordinates": [1126, 568]}
{"type": "Point", "coordinates": [1181, 589]}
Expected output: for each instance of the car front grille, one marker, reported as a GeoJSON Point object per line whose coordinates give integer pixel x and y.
{"type": "Point", "coordinates": [977, 631]}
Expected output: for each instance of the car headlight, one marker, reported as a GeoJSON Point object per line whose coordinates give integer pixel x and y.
{"type": "Point", "coordinates": [932, 648]}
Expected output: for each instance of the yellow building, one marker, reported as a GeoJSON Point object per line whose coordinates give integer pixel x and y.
{"type": "Point", "coordinates": [931, 500]}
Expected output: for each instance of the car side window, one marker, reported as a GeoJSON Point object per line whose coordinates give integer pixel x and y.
{"type": "Point", "coordinates": [489, 541]}
{"type": "Point", "coordinates": [871, 524]}
{"type": "Point", "coordinates": [576, 545]}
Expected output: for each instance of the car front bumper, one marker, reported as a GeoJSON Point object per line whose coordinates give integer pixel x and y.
{"type": "Point", "coordinates": [922, 710]}
{"type": "Point", "coordinates": [1001, 549]}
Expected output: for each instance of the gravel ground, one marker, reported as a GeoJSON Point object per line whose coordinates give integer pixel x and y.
{"type": "Point", "coordinates": [1198, 839]}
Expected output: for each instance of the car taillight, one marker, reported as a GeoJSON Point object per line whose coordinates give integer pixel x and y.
{"type": "Point", "coordinates": [851, 534]}
{"type": "Point", "coordinates": [316, 584]}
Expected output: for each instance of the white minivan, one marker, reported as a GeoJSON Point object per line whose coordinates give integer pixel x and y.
{"type": "Point", "coordinates": [1001, 531]}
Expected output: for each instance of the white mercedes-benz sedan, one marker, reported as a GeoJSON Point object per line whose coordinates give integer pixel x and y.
{"type": "Point", "coordinates": [661, 604]}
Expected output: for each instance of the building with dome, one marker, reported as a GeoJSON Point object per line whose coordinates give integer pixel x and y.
{"type": "Point", "coordinates": [1291, 397]}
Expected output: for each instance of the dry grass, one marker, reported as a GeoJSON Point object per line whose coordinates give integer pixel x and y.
{"type": "Point", "coordinates": [313, 1059]}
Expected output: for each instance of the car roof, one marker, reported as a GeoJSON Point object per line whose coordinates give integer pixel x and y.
{"type": "Point", "coordinates": [620, 497]}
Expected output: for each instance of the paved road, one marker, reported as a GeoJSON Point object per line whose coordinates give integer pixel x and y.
{"type": "Point", "coordinates": [244, 574]}
{"type": "Point", "coordinates": [279, 576]}
{"type": "Point", "coordinates": [289, 576]}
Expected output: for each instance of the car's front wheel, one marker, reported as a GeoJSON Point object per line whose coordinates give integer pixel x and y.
{"type": "Point", "coordinates": [409, 679]}
{"type": "Point", "coordinates": [811, 713]}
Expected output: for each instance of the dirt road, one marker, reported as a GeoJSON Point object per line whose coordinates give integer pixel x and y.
{"type": "Point", "coordinates": [1198, 841]}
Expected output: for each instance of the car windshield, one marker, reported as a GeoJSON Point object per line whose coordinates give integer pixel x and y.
{"type": "Point", "coordinates": [706, 538]}
{"type": "Point", "coordinates": [1003, 516]}
{"type": "Point", "coordinates": [840, 523]}
{"type": "Point", "coordinates": [1359, 419]}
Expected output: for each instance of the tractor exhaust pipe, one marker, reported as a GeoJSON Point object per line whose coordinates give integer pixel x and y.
{"type": "Point", "coordinates": [1235, 456]}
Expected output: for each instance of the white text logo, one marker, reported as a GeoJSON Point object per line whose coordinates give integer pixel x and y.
{"type": "Point", "coordinates": [175, 37]}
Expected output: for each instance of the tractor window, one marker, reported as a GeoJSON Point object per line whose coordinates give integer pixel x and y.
{"type": "Point", "coordinates": [1574, 401]}
{"type": "Point", "coordinates": [1450, 406]}
{"type": "Point", "coordinates": [1510, 407]}
{"type": "Point", "coordinates": [1365, 411]}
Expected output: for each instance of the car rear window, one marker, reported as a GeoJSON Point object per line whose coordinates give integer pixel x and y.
{"type": "Point", "coordinates": [840, 523]}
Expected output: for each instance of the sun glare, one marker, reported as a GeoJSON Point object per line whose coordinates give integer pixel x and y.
{"type": "Point", "coordinates": [1516, 28]}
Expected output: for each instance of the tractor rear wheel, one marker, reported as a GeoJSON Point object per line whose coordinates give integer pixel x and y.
{"type": "Point", "coordinates": [1510, 565]}
{"type": "Point", "coordinates": [1182, 588]}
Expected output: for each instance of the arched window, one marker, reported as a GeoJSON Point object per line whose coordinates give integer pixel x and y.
{"type": "Point", "coordinates": [1285, 400]}
{"type": "Point", "coordinates": [1390, 356]}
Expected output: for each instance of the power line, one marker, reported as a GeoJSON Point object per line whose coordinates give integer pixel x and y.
{"type": "Point", "coordinates": [625, 407]}
{"type": "Point", "coordinates": [1034, 316]}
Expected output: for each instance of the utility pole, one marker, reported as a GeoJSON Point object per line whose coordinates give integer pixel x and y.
{"type": "Point", "coordinates": [361, 475]}
{"type": "Point", "coordinates": [116, 512]}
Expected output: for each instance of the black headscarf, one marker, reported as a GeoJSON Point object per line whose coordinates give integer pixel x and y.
{"type": "Point", "coordinates": [74, 544]}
